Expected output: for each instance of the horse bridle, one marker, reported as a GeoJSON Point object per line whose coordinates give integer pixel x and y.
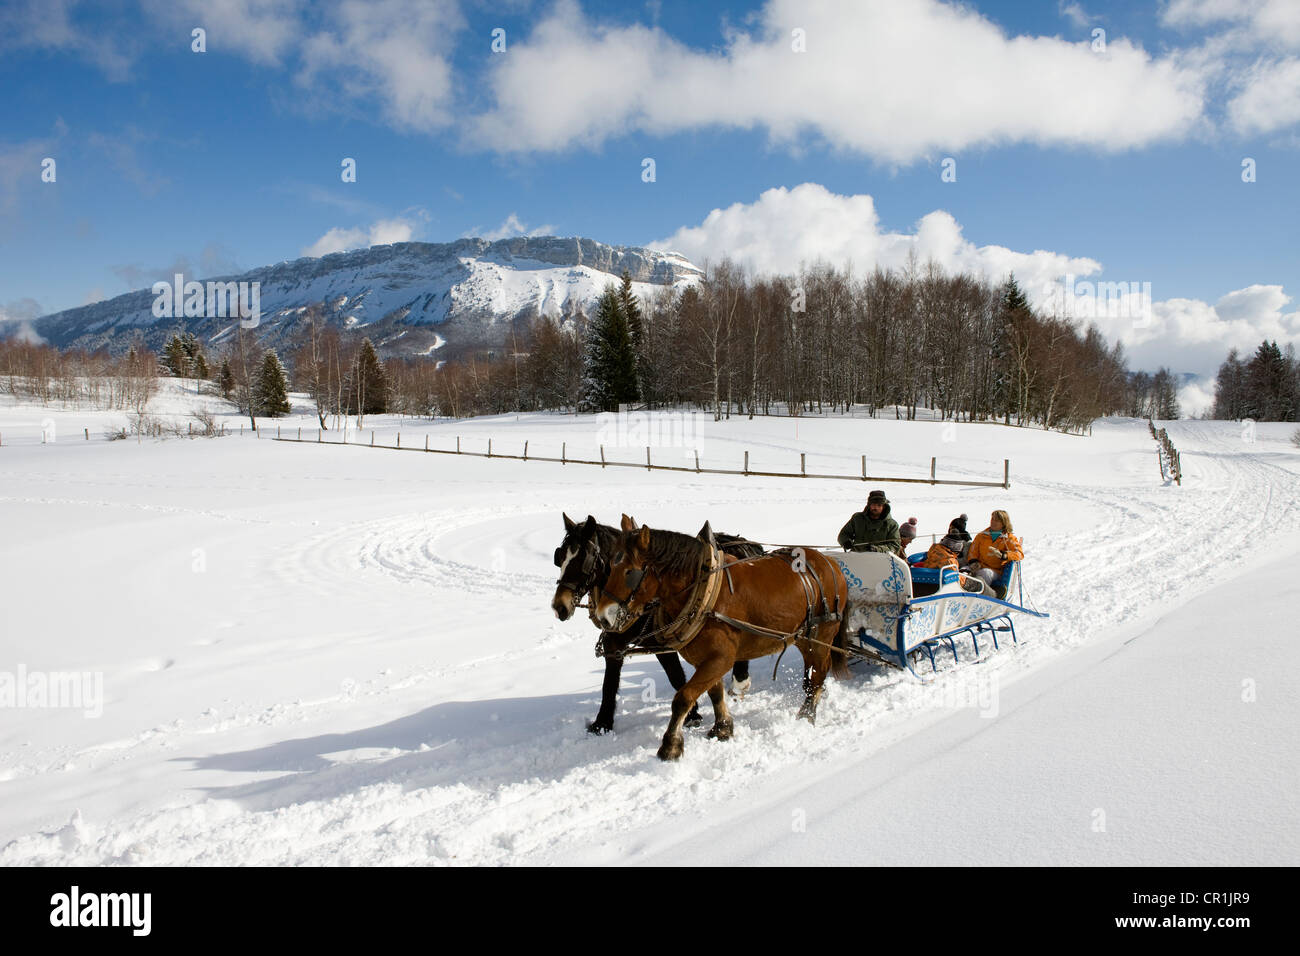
{"type": "Point", "coordinates": [586, 573]}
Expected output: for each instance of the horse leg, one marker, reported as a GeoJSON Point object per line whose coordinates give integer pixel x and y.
{"type": "Point", "coordinates": [707, 673]}
{"type": "Point", "coordinates": [815, 666]}
{"type": "Point", "coordinates": [672, 665]}
{"type": "Point", "coordinates": [740, 682]}
{"type": "Point", "coordinates": [722, 728]}
{"type": "Point", "coordinates": [604, 721]}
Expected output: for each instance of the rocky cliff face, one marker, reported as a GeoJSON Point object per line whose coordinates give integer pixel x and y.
{"type": "Point", "coordinates": [410, 298]}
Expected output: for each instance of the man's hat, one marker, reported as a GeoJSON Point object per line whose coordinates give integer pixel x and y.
{"type": "Point", "coordinates": [877, 495]}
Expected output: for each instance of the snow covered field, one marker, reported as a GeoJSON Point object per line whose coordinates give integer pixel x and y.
{"type": "Point", "coordinates": [333, 655]}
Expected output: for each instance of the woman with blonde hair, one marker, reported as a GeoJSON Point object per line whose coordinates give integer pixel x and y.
{"type": "Point", "coordinates": [992, 549]}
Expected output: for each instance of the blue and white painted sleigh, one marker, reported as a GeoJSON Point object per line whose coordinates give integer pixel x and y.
{"type": "Point", "coordinates": [895, 611]}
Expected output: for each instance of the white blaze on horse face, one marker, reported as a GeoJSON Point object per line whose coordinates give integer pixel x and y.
{"type": "Point", "coordinates": [607, 611]}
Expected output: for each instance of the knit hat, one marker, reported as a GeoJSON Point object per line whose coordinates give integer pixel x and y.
{"type": "Point", "coordinates": [877, 495]}
{"type": "Point", "coordinates": [957, 529]}
{"type": "Point", "coordinates": [907, 530]}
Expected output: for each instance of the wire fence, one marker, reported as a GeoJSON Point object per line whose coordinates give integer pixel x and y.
{"type": "Point", "coordinates": [650, 465]}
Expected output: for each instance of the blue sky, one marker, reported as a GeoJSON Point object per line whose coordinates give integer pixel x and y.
{"type": "Point", "coordinates": [1123, 160]}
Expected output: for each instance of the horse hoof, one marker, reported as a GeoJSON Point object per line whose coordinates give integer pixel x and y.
{"type": "Point", "coordinates": [739, 688]}
{"type": "Point", "coordinates": [721, 731]}
{"type": "Point", "coordinates": [671, 750]}
{"type": "Point", "coordinates": [808, 714]}
{"type": "Point", "coordinates": [694, 719]}
{"type": "Point", "coordinates": [599, 726]}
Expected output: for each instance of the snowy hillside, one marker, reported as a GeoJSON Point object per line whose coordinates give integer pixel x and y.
{"type": "Point", "coordinates": [337, 655]}
{"type": "Point", "coordinates": [402, 290]}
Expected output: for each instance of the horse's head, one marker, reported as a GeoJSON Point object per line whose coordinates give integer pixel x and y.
{"type": "Point", "coordinates": [631, 585]}
{"type": "Point", "coordinates": [580, 562]}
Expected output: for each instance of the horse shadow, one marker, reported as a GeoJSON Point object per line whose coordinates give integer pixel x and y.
{"type": "Point", "coordinates": [481, 744]}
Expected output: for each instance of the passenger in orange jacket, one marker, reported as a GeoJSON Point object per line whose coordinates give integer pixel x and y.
{"type": "Point", "coordinates": [946, 552]}
{"type": "Point", "coordinates": [992, 549]}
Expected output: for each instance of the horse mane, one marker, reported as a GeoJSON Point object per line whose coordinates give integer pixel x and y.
{"type": "Point", "coordinates": [672, 552]}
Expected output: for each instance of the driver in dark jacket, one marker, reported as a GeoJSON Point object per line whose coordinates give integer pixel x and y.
{"type": "Point", "coordinates": [871, 529]}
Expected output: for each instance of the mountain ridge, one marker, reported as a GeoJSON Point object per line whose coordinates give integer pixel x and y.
{"type": "Point", "coordinates": [423, 294]}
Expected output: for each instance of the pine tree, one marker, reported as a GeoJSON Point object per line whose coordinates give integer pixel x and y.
{"type": "Point", "coordinates": [271, 394]}
{"type": "Point", "coordinates": [632, 312]}
{"type": "Point", "coordinates": [176, 358]}
{"type": "Point", "coordinates": [367, 383]}
{"type": "Point", "coordinates": [226, 380]}
{"type": "Point", "coordinates": [609, 369]}
{"type": "Point", "coordinates": [1004, 382]}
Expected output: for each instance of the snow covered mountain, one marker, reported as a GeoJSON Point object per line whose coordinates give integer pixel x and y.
{"type": "Point", "coordinates": [411, 297]}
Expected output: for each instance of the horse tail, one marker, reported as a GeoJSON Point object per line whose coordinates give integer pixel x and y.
{"type": "Point", "coordinates": [839, 652]}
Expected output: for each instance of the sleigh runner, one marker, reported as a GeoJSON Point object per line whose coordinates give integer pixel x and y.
{"type": "Point", "coordinates": [896, 611]}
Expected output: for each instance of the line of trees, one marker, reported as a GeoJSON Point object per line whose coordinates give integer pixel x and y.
{"type": "Point", "coordinates": [41, 373]}
{"type": "Point", "coordinates": [1265, 387]}
{"type": "Point", "coordinates": [818, 341]}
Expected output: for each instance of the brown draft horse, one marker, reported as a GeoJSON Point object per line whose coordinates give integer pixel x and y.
{"type": "Point", "coordinates": [655, 570]}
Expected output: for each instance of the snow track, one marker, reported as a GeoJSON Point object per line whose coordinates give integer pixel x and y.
{"type": "Point", "coordinates": [464, 742]}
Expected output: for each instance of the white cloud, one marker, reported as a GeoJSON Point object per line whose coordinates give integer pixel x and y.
{"type": "Point", "coordinates": [1190, 335]}
{"type": "Point", "coordinates": [1268, 22]}
{"type": "Point", "coordinates": [382, 233]}
{"type": "Point", "coordinates": [1074, 13]}
{"type": "Point", "coordinates": [394, 51]}
{"type": "Point", "coordinates": [1196, 397]}
{"type": "Point", "coordinates": [787, 228]}
{"type": "Point", "coordinates": [259, 30]}
{"type": "Point", "coordinates": [1269, 98]}
{"type": "Point", "coordinates": [511, 226]}
{"type": "Point", "coordinates": [895, 81]}
{"type": "Point", "coordinates": [16, 318]}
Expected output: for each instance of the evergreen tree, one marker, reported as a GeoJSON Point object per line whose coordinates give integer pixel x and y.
{"type": "Point", "coordinates": [632, 312]}
{"type": "Point", "coordinates": [271, 394]}
{"type": "Point", "coordinates": [1269, 385]}
{"type": "Point", "coordinates": [1013, 312]}
{"type": "Point", "coordinates": [226, 380]}
{"type": "Point", "coordinates": [367, 386]}
{"type": "Point", "coordinates": [176, 358]}
{"type": "Point", "coordinates": [609, 368]}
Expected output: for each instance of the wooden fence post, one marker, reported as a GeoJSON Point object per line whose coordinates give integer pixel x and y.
{"type": "Point", "coordinates": [87, 434]}
{"type": "Point", "coordinates": [746, 461]}
{"type": "Point", "coordinates": [602, 456]}
{"type": "Point", "coordinates": [697, 461]}
{"type": "Point", "coordinates": [299, 433]}
{"type": "Point", "coordinates": [399, 439]}
{"type": "Point", "coordinates": [864, 467]}
{"type": "Point", "coordinates": [1006, 472]}
{"type": "Point", "coordinates": [372, 438]}
{"type": "Point", "coordinates": [320, 435]}
{"type": "Point", "coordinates": [489, 447]}
{"type": "Point", "coordinates": [647, 458]}
{"type": "Point", "coordinates": [525, 449]}
{"type": "Point", "coordinates": [563, 446]}
{"type": "Point", "coordinates": [802, 469]}
{"type": "Point", "coordinates": [426, 441]}
{"type": "Point", "coordinates": [933, 465]}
